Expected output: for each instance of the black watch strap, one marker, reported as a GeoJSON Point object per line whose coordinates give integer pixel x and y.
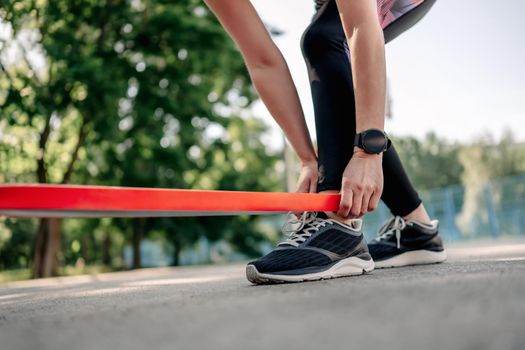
{"type": "Point", "coordinates": [358, 141]}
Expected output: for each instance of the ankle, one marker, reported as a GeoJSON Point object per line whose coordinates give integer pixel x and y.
{"type": "Point", "coordinates": [419, 214]}
{"type": "Point", "coordinates": [336, 217]}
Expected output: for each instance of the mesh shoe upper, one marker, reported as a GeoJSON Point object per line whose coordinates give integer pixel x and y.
{"type": "Point", "coordinates": [283, 259]}
{"type": "Point", "coordinates": [335, 240]}
{"type": "Point", "coordinates": [319, 241]}
{"type": "Point", "coordinates": [397, 236]}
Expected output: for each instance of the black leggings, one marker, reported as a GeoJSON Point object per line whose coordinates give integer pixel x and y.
{"type": "Point", "coordinates": [327, 57]}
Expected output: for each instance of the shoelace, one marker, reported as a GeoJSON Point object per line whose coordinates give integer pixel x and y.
{"type": "Point", "coordinates": [392, 226]}
{"type": "Point", "coordinates": [309, 223]}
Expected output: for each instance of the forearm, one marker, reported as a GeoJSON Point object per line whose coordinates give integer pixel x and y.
{"type": "Point", "coordinates": [367, 54]}
{"type": "Point", "coordinates": [268, 70]}
{"type": "Point", "coordinates": [277, 90]}
{"type": "Point", "coordinates": [369, 77]}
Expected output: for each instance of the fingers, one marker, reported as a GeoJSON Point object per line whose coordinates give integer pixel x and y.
{"type": "Point", "coordinates": [307, 186]}
{"type": "Point", "coordinates": [355, 211]}
{"type": "Point", "coordinates": [364, 205]}
{"type": "Point", "coordinates": [313, 186]}
{"type": "Point", "coordinates": [347, 197]}
{"type": "Point", "coordinates": [374, 200]}
{"type": "Point", "coordinates": [302, 188]}
{"type": "Point", "coordinates": [361, 187]}
{"type": "Point", "coordinates": [303, 185]}
{"type": "Point", "coordinates": [357, 200]}
{"type": "Point", "coordinates": [371, 199]}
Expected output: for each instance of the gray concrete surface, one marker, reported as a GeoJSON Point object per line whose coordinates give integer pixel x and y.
{"type": "Point", "coordinates": [475, 301]}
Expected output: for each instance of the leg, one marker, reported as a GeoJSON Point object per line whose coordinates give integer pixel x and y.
{"type": "Point", "coordinates": [326, 54]}
{"type": "Point", "coordinates": [331, 85]}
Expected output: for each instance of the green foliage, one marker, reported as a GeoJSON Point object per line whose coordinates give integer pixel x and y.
{"type": "Point", "coordinates": [485, 159]}
{"type": "Point", "coordinates": [154, 94]}
{"type": "Point", "coordinates": [16, 240]}
{"type": "Point", "coordinates": [140, 93]}
{"type": "Point", "coordinates": [431, 162]}
{"type": "Point", "coordinates": [435, 162]}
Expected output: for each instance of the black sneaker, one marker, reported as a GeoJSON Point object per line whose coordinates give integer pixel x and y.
{"type": "Point", "coordinates": [403, 243]}
{"type": "Point", "coordinates": [320, 248]}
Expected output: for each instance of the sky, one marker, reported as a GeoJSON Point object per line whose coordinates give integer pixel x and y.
{"type": "Point", "coordinates": [460, 72]}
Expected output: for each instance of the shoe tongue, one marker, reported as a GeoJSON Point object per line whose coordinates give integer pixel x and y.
{"type": "Point", "coordinates": [319, 214]}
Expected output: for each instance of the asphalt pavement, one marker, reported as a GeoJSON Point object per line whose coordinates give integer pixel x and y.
{"type": "Point", "coordinates": [476, 300]}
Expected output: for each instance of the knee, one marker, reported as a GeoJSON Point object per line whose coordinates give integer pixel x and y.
{"type": "Point", "coordinates": [316, 41]}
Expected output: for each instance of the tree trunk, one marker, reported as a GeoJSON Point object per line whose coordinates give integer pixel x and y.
{"type": "Point", "coordinates": [43, 257]}
{"type": "Point", "coordinates": [138, 233]}
{"type": "Point", "coordinates": [106, 250]}
{"type": "Point", "coordinates": [82, 132]}
{"type": "Point", "coordinates": [47, 248]}
{"type": "Point", "coordinates": [176, 254]}
{"type": "Point", "coordinates": [85, 248]}
{"type": "Point", "coordinates": [47, 245]}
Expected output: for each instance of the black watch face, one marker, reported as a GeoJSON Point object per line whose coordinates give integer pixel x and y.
{"type": "Point", "coordinates": [374, 141]}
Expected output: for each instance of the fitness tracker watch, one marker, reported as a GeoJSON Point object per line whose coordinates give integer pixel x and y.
{"type": "Point", "coordinates": [372, 141]}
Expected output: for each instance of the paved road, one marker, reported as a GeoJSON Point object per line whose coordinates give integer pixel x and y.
{"type": "Point", "coordinates": [474, 301]}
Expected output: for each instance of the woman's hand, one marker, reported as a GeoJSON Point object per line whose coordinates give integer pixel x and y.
{"type": "Point", "coordinates": [362, 184]}
{"type": "Point", "coordinates": [307, 182]}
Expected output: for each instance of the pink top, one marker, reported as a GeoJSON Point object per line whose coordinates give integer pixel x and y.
{"type": "Point", "coordinates": [388, 10]}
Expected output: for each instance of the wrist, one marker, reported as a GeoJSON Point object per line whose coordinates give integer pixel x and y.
{"type": "Point", "coordinates": [372, 141]}
{"type": "Point", "coordinates": [361, 153]}
{"type": "Point", "coordinates": [308, 161]}
{"type": "Point", "coordinates": [307, 157]}
{"type": "Point", "coordinates": [359, 130]}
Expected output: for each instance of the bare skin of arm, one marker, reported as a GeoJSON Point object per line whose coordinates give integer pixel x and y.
{"type": "Point", "coordinates": [272, 79]}
{"type": "Point", "coordinates": [362, 183]}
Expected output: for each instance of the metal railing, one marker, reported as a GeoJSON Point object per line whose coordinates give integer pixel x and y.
{"type": "Point", "coordinates": [495, 208]}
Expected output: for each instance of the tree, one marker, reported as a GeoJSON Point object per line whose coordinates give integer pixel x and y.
{"type": "Point", "coordinates": [431, 162]}
{"type": "Point", "coordinates": [123, 93]}
{"type": "Point", "coordinates": [482, 161]}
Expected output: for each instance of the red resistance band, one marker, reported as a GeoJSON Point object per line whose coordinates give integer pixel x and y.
{"type": "Point", "coordinates": [101, 201]}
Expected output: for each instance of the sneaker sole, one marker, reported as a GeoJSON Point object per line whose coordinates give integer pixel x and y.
{"type": "Point", "coordinates": [416, 257]}
{"type": "Point", "coordinates": [347, 267]}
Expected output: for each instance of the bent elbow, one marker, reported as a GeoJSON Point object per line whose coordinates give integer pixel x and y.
{"type": "Point", "coordinates": [265, 60]}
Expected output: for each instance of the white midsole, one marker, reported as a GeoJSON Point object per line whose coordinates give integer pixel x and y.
{"type": "Point", "coordinates": [416, 257]}
{"type": "Point", "coordinates": [347, 267]}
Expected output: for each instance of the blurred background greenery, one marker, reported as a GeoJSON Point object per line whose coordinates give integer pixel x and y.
{"type": "Point", "coordinates": [154, 94]}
